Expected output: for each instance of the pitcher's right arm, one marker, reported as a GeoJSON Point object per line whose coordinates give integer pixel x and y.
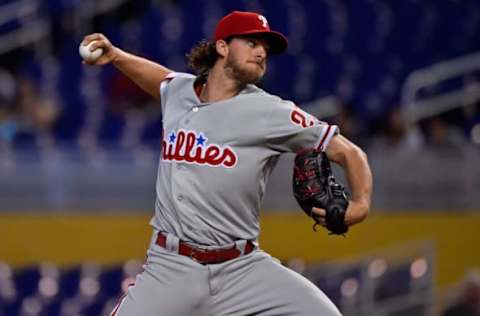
{"type": "Point", "coordinates": [144, 73]}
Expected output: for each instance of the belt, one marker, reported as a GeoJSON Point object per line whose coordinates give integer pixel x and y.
{"type": "Point", "coordinates": [206, 256]}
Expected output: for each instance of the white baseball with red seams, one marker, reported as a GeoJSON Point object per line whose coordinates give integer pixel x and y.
{"type": "Point", "coordinates": [87, 54]}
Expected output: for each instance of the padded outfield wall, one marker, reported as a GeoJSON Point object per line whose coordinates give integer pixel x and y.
{"type": "Point", "coordinates": [111, 239]}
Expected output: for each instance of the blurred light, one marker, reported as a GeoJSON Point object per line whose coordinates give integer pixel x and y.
{"type": "Point", "coordinates": [473, 278]}
{"type": "Point", "coordinates": [31, 306]}
{"type": "Point", "coordinates": [475, 134]}
{"type": "Point", "coordinates": [349, 287]}
{"type": "Point", "coordinates": [48, 269]}
{"type": "Point", "coordinates": [5, 271]}
{"type": "Point", "coordinates": [89, 286]}
{"type": "Point", "coordinates": [90, 270]}
{"type": "Point", "coordinates": [70, 307]}
{"type": "Point", "coordinates": [48, 287]}
{"type": "Point", "coordinates": [418, 268]}
{"type": "Point", "coordinates": [132, 267]}
{"type": "Point", "coordinates": [377, 268]}
{"type": "Point", "coordinates": [8, 292]}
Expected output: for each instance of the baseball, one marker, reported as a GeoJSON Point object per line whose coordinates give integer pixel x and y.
{"type": "Point", "coordinates": [88, 55]}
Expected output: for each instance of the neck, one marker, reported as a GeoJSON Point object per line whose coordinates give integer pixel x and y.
{"type": "Point", "coordinates": [220, 86]}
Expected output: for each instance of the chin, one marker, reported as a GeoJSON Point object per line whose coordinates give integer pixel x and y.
{"type": "Point", "coordinates": [254, 78]}
{"type": "Point", "coordinates": [248, 74]}
{"type": "Point", "coordinates": [261, 74]}
{"type": "Point", "coordinates": [256, 74]}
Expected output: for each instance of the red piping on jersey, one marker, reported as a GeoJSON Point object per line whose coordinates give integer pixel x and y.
{"type": "Point", "coordinates": [168, 77]}
{"type": "Point", "coordinates": [324, 137]}
{"type": "Point", "coordinates": [120, 301]}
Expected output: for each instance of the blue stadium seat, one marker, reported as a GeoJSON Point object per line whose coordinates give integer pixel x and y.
{"type": "Point", "coordinates": [111, 280]}
{"type": "Point", "coordinates": [69, 282]}
{"type": "Point", "coordinates": [379, 35]}
{"type": "Point", "coordinates": [10, 309]}
{"type": "Point", "coordinates": [396, 281]}
{"type": "Point", "coordinates": [26, 281]}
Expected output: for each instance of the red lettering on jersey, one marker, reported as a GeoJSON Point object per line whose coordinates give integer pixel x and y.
{"type": "Point", "coordinates": [300, 118]}
{"type": "Point", "coordinates": [191, 147]}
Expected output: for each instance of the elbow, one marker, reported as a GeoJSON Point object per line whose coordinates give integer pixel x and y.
{"type": "Point", "coordinates": [351, 154]}
{"type": "Point", "coordinates": [363, 213]}
{"type": "Point", "coordinates": [357, 213]}
{"type": "Point", "coordinates": [357, 153]}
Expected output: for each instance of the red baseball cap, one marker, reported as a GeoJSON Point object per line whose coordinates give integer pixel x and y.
{"type": "Point", "coordinates": [250, 23]}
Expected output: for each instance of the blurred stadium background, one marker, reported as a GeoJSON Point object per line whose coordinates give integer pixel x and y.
{"type": "Point", "coordinates": [79, 148]}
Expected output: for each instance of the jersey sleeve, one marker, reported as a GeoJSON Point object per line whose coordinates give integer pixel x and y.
{"type": "Point", "coordinates": [164, 87]}
{"type": "Point", "coordinates": [290, 129]}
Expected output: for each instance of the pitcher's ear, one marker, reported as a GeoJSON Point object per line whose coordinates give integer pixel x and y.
{"type": "Point", "coordinates": [222, 48]}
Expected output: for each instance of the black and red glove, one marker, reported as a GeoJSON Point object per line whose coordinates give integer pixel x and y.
{"type": "Point", "coordinates": [315, 186]}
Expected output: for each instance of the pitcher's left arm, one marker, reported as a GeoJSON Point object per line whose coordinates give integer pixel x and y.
{"type": "Point", "coordinates": [359, 176]}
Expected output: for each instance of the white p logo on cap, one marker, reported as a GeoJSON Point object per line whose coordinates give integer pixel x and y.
{"type": "Point", "coordinates": [264, 20]}
{"type": "Point", "coordinates": [240, 23]}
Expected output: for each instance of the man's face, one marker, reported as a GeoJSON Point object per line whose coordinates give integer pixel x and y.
{"type": "Point", "coordinates": [247, 59]}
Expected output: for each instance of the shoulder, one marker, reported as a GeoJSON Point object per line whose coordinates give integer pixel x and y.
{"type": "Point", "coordinates": [260, 98]}
{"type": "Point", "coordinates": [176, 80]}
{"type": "Point", "coordinates": [179, 76]}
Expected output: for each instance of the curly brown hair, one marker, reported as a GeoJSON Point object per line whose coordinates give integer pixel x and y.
{"type": "Point", "coordinates": [202, 57]}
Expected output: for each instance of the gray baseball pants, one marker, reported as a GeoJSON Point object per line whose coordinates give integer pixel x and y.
{"type": "Point", "coordinates": [253, 284]}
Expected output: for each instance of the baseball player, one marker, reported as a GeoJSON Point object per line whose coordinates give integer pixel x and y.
{"type": "Point", "coordinates": [222, 137]}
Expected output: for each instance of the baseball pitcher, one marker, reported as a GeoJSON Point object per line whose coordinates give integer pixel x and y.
{"type": "Point", "coordinates": [222, 137]}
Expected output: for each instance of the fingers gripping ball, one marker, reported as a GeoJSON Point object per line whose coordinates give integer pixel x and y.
{"type": "Point", "coordinates": [315, 186]}
{"type": "Point", "coordinates": [87, 54]}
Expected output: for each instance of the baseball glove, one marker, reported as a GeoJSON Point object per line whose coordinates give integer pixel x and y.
{"type": "Point", "coordinates": [315, 186]}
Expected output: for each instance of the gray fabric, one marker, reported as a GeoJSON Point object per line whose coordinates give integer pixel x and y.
{"type": "Point", "coordinates": [254, 284]}
{"type": "Point", "coordinates": [214, 166]}
{"type": "Point", "coordinates": [217, 201]}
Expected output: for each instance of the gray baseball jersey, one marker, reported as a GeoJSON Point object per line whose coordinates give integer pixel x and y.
{"type": "Point", "coordinates": [216, 159]}
{"type": "Point", "coordinates": [215, 162]}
